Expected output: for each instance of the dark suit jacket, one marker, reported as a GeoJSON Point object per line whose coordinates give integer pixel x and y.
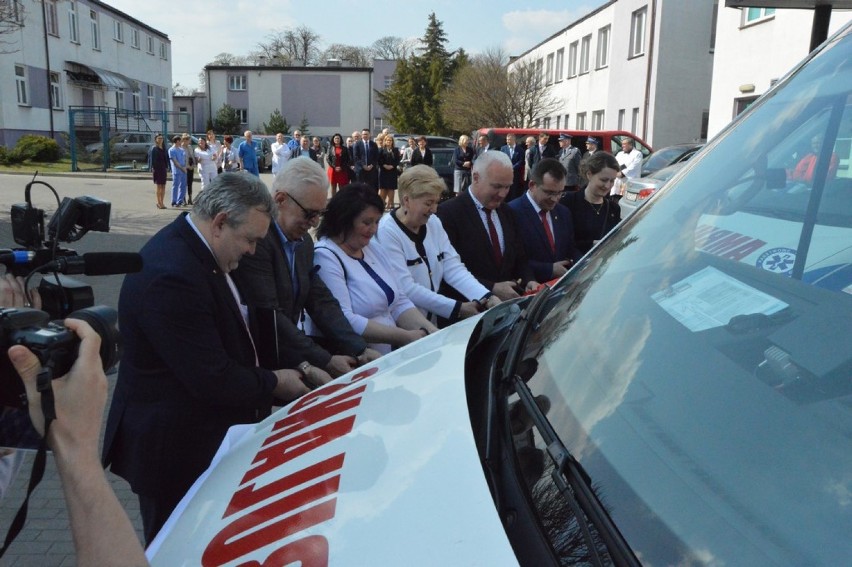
{"type": "Point", "coordinates": [541, 258]}
{"type": "Point", "coordinates": [266, 285]}
{"type": "Point", "coordinates": [536, 154]}
{"type": "Point", "coordinates": [469, 237]}
{"type": "Point", "coordinates": [362, 158]}
{"type": "Point", "coordinates": [425, 158]}
{"type": "Point", "coordinates": [345, 158]}
{"type": "Point", "coordinates": [516, 154]}
{"type": "Point", "coordinates": [188, 369]}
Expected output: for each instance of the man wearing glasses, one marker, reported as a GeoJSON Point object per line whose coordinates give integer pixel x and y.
{"type": "Point", "coordinates": [280, 285]}
{"type": "Point", "coordinates": [547, 230]}
{"type": "Point", "coordinates": [484, 232]}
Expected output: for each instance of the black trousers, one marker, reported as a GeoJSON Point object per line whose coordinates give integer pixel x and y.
{"type": "Point", "coordinates": [155, 510]}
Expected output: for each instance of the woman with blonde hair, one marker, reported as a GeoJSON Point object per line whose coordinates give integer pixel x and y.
{"type": "Point", "coordinates": [389, 158]}
{"type": "Point", "coordinates": [463, 159]}
{"type": "Point", "coordinates": [417, 246]}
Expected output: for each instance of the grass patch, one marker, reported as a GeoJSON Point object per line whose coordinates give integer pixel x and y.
{"type": "Point", "coordinates": [61, 166]}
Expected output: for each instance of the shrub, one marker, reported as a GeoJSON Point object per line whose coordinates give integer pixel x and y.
{"type": "Point", "coordinates": [38, 148]}
{"type": "Point", "coordinates": [10, 157]}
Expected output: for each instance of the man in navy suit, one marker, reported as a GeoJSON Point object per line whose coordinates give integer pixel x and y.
{"type": "Point", "coordinates": [366, 158]}
{"type": "Point", "coordinates": [516, 154]}
{"type": "Point", "coordinates": [540, 151]}
{"type": "Point", "coordinates": [189, 367]}
{"type": "Point", "coordinates": [545, 225]}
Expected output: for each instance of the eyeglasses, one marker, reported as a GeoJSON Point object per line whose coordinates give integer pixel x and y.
{"type": "Point", "coordinates": [552, 194]}
{"type": "Point", "coordinates": [309, 214]}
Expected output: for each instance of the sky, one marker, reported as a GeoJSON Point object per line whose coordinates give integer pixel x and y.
{"type": "Point", "coordinates": [205, 28]}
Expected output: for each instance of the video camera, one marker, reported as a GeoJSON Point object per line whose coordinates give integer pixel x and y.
{"type": "Point", "coordinates": [55, 345]}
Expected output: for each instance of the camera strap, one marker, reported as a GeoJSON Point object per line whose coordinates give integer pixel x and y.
{"type": "Point", "coordinates": [37, 472]}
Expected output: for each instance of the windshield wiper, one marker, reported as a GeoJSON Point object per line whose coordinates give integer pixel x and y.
{"type": "Point", "coordinates": [573, 481]}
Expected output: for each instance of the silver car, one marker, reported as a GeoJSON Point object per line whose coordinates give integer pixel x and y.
{"type": "Point", "coordinates": [639, 189]}
{"type": "Point", "coordinates": [126, 146]}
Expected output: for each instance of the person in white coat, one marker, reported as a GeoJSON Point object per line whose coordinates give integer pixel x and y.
{"type": "Point", "coordinates": [281, 152]}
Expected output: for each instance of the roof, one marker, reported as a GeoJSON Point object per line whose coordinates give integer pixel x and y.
{"type": "Point", "coordinates": [789, 4]}
{"type": "Point", "coordinates": [322, 68]}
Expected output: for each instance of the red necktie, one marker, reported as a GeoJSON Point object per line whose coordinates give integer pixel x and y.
{"type": "Point", "coordinates": [495, 240]}
{"type": "Point", "coordinates": [543, 214]}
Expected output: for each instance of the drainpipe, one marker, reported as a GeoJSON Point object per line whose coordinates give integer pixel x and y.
{"type": "Point", "coordinates": [47, 66]}
{"type": "Point", "coordinates": [647, 104]}
{"type": "Point", "coordinates": [819, 29]}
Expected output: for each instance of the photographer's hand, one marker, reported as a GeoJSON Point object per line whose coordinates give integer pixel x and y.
{"type": "Point", "coordinates": [12, 293]}
{"type": "Point", "coordinates": [103, 534]}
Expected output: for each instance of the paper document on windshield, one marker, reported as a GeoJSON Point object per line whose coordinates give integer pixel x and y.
{"type": "Point", "coordinates": [710, 298]}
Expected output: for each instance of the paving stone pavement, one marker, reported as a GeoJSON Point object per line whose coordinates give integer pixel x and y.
{"type": "Point", "coordinates": [46, 540]}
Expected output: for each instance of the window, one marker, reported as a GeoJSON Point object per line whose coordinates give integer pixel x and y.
{"type": "Point", "coordinates": [621, 115]}
{"type": "Point", "coordinates": [550, 69]}
{"type": "Point", "coordinates": [388, 81]}
{"type": "Point", "coordinates": [22, 85]}
{"type": "Point", "coordinates": [236, 82]}
{"type": "Point", "coordinates": [581, 121]}
{"type": "Point", "coordinates": [560, 62]}
{"type": "Point", "coordinates": [52, 19]}
{"type": "Point", "coordinates": [539, 71]}
{"type": "Point", "coordinates": [243, 114]}
{"type": "Point", "coordinates": [566, 120]}
{"type": "Point", "coordinates": [545, 123]}
{"type": "Point", "coordinates": [134, 38]}
{"type": "Point", "coordinates": [164, 51]}
{"type": "Point", "coordinates": [136, 104]}
{"type": "Point", "coordinates": [150, 97]}
{"type": "Point", "coordinates": [14, 12]}
{"type": "Point", "coordinates": [572, 60]}
{"type": "Point", "coordinates": [603, 48]}
{"type": "Point", "coordinates": [754, 14]}
{"type": "Point", "coordinates": [741, 104]}
{"type": "Point", "coordinates": [634, 121]}
{"type": "Point", "coordinates": [558, 122]}
{"type": "Point", "coordinates": [96, 30]}
{"type": "Point", "coordinates": [585, 46]}
{"type": "Point", "coordinates": [73, 22]}
{"type": "Point", "coordinates": [637, 32]}
{"type": "Point", "coordinates": [55, 91]}
{"type": "Point", "coordinates": [598, 120]}
{"type": "Point", "coordinates": [118, 31]}
{"type": "Point", "coordinates": [164, 98]}
{"type": "Point", "coordinates": [119, 100]}
{"type": "Point", "coordinates": [150, 44]}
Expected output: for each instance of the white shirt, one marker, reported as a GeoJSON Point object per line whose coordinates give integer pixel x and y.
{"type": "Point", "coordinates": [205, 159]}
{"type": "Point", "coordinates": [495, 218]}
{"type": "Point", "coordinates": [632, 162]}
{"type": "Point", "coordinates": [360, 297]}
{"type": "Point", "coordinates": [420, 278]}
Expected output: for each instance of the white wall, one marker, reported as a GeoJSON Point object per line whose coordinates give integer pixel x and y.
{"type": "Point", "coordinates": [757, 54]}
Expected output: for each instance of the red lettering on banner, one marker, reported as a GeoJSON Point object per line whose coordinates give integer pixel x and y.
{"type": "Point", "coordinates": [234, 541]}
{"type": "Point", "coordinates": [312, 397]}
{"type": "Point", "coordinates": [310, 551]}
{"type": "Point", "coordinates": [314, 414]}
{"type": "Point", "coordinates": [280, 453]}
{"type": "Point", "coordinates": [725, 243]}
{"type": "Point", "coordinates": [729, 242]}
{"type": "Point", "coordinates": [249, 495]}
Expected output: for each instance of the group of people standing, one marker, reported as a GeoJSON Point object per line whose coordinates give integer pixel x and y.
{"type": "Point", "coordinates": [210, 158]}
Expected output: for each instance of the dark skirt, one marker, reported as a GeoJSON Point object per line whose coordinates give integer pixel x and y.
{"type": "Point", "coordinates": [388, 178]}
{"type": "Point", "coordinates": [159, 176]}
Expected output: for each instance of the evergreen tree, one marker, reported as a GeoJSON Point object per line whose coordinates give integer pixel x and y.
{"type": "Point", "coordinates": [277, 123]}
{"type": "Point", "coordinates": [413, 100]}
{"type": "Point", "coordinates": [227, 120]}
{"type": "Point", "coordinates": [304, 126]}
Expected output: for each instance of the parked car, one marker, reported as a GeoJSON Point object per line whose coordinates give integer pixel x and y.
{"type": "Point", "coordinates": [639, 189]}
{"type": "Point", "coordinates": [262, 147]}
{"type": "Point", "coordinates": [680, 397]}
{"type": "Point", "coordinates": [668, 156]}
{"type": "Point", "coordinates": [432, 142]}
{"type": "Point", "coordinates": [126, 146]}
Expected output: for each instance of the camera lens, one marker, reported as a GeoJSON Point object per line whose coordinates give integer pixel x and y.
{"type": "Point", "coordinates": [103, 320]}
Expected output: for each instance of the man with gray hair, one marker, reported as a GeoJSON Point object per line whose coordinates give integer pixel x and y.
{"type": "Point", "coordinates": [189, 369]}
{"type": "Point", "coordinates": [484, 232]}
{"type": "Point", "coordinates": [280, 284]}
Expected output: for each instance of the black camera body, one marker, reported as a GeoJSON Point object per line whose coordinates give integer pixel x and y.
{"type": "Point", "coordinates": [55, 345]}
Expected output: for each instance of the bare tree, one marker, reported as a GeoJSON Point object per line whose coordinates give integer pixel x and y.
{"type": "Point", "coordinates": [12, 16]}
{"type": "Point", "coordinates": [393, 47]}
{"type": "Point", "coordinates": [180, 90]}
{"type": "Point", "coordinates": [292, 46]}
{"type": "Point", "coordinates": [352, 54]}
{"type": "Point", "coordinates": [484, 93]}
